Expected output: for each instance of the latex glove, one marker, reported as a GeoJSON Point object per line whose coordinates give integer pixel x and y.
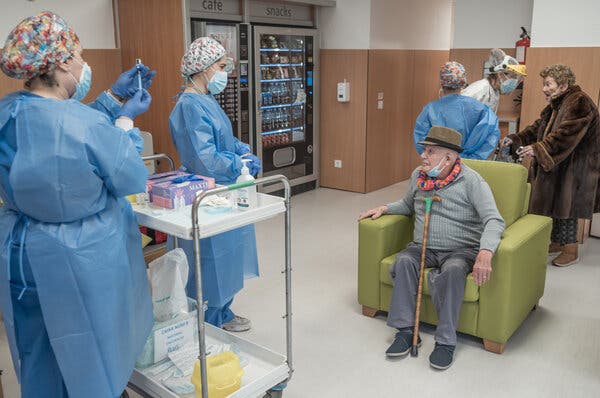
{"type": "Point", "coordinates": [127, 84]}
{"type": "Point", "coordinates": [255, 166]}
{"type": "Point", "coordinates": [138, 104]}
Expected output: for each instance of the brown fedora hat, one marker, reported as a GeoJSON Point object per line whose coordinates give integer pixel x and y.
{"type": "Point", "coordinates": [444, 137]}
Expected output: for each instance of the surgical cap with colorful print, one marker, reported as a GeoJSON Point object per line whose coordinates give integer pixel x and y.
{"type": "Point", "coordinates": [203, 52]}
{"type": "Point", "coordinates": [37, 45]}
{"type": "Point", "coordinates": [453, 75]}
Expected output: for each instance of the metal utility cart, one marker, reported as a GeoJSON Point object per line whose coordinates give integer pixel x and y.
{"type": "Point", "coordinates": [267, 372]}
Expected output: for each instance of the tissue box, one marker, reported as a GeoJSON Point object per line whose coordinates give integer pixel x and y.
{"type": "Point", "coordinates": [161, 177]}
{"type": "Point", "coordinates": [173, 195]}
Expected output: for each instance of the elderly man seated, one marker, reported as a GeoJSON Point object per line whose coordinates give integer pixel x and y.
{"type": "Point", "coordinates": [464, 232]}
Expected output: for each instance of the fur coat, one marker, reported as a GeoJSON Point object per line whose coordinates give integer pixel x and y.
{"type": "Point", "coordinates": [565, 170]}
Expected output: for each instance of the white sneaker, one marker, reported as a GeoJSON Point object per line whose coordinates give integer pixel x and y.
{"type": "Point", "coordinates": [237, 324]}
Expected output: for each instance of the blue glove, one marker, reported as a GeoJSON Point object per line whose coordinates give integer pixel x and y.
{"type": "Point", "coordinates": [138, 104]}
{"type": "Point", "coordinates": [255, 165]}
{"type": "Point", "coordinates": [127, 84]}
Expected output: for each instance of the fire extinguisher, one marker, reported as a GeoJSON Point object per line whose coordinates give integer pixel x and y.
{"type": "Point", "coordinates": [521, 46]}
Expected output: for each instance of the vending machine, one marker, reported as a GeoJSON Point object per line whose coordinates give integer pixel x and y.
{"type": "Point", "coordinates": [285, 86]}
{"type": "Point", "coordinates": [272, 95]}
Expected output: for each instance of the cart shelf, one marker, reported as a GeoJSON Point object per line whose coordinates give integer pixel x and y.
{"type": "Point", "coordinates": [178, 222]}
{"type": "Point", "coordinates": [265, 369]}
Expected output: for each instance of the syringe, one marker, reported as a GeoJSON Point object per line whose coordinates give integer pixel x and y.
{"type": "Point", "coordinates": [138, 62]}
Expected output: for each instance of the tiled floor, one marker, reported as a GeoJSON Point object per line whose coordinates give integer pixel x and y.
{"type": "Point", "coordinates": [340, 353]}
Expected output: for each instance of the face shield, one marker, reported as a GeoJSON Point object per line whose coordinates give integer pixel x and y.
{"type": "Point", "coordinates": [518, 70]}
{"type": "Point", "coordinates": [509, 65]}
{"type": "Point", "coordinates": [229, 65]}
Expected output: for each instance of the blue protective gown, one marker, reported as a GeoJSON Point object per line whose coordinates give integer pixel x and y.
{"type": "Point", "coordinates": [477, 123]}
{"type": "Point", "coordinates": [203, 136]}
{"type": "Point", "coordinates": [70, 246]}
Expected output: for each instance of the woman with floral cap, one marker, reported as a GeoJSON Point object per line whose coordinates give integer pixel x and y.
{"type": "Point", "coordinates": [73, 286]}
{"type": "Point", "coordinates": [476, 122]}
{"type": "Point", "coordinates": [203, 135]}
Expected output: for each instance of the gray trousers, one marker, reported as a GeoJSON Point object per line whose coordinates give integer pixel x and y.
{"type": "Point", "coordinates": [446, 285]}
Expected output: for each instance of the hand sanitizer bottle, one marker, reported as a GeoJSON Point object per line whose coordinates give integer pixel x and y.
{"type": "Point", "coordinates": [245, 197]}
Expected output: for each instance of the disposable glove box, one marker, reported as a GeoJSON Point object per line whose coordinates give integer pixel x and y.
{"type": "Point", "coordinates": [181, 191]}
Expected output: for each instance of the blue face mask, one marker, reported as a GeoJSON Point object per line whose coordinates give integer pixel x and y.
{"type": "Point", "coordinates": [508, 86]}
{"type": "Point", "coordinates": [217, 83]}
{"type": "Point", "coordinates": [436, 171]}
{"type": "Point", "coordinates": [83, 85]}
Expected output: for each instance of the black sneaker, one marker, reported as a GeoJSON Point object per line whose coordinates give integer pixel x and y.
{"type": "Point", "coordinates": [402, 343]}
{"type": "Point", "coordinates": [442, 356]}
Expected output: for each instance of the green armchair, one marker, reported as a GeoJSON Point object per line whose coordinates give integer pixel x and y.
{"type": "Point", "coordinates": [496, 309]}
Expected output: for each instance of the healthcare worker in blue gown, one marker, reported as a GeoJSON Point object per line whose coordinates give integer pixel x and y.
{"type": "Point", "coordinates": [73, 286]}
{"type": "Point", "coordinates": [205, 143]}
{"type": "Point", "coordinates": [477, 123]}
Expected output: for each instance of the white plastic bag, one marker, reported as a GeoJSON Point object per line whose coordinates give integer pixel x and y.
{"type": "Point", "coordinates": [168, 277]}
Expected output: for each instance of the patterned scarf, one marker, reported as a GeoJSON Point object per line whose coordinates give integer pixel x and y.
{"type": "Point", "coordinates": [426, 183]}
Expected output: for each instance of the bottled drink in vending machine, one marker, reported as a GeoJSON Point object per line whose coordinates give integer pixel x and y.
{"type": "Point", "coordinates": [271, 89]}
{"type": "Point", "coordinates": [282, 93]}
{"type": "Point", "coordinates": [265, 120]}
{"type": "Point", "coordinates": [272, 120]}
{"type": "Point", "coordinates": [295, 116]}
{"type": "Point", "coordinates": [286, 93]}
{"type": "Point", "coordinates": [277, 93]}
{"type": "Point", "coordinates": [279, 120]}
{"type": "Point", "coordinates": [273, 125]}
{"type": "Point", "coordinates": [267, 98]}
{"type": "Point", "coordinates": [281, 116]}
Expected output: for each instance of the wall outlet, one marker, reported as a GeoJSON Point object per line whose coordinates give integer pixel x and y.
{"type": "Point", "coordinates": [337, 163]}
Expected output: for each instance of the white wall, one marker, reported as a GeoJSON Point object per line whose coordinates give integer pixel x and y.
{"type": "Point", "coordinates": [491, 23]}
{"type": "Point", "coordinates": [92, 20]}
{"type": "Point", "coordinates": [409, 24]}
{"type": "Point", "coordinates": [347, 25]}
{"type": "Point", "coordinates": [559, 23]}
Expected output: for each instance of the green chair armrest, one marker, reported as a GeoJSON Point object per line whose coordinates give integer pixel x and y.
{"type": "Point", "coordinates": [517, 280]}
{"type": "Point", "coordinates": [378, 239]}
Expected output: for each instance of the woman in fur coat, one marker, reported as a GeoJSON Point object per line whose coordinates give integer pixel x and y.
{"type": "Point", "coordinates": [564, 144]}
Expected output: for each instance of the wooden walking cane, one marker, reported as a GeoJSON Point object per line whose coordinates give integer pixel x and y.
{"type": "Point", "coordinates": [428, 200]}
